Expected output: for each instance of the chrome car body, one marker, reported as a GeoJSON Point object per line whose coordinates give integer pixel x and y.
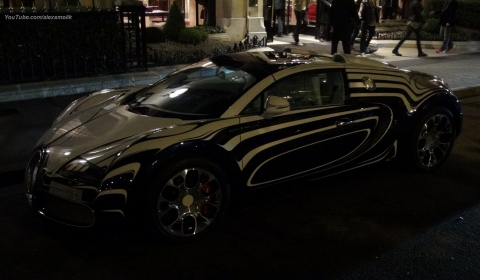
{"type": "Point", "coordinates": [183, 148]}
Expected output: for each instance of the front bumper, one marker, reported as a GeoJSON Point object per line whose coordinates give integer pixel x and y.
{"type": "Point", "coordinates": [66, 201]}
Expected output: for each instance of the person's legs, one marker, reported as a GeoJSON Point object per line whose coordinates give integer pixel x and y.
{"type": "Point", "coordinates": [418, 35]}
{"type": "Point", "coordinates": [371, 33]}
{"type": "Point", "coordinates": [355, 32]}
{"type": "Point", "coordinates": [447, 39]}
{"type": "Point", "coordinates": [442, 35]}
{"type": "Point", "coordinates": [335, 41]}
{"type": "Point", "coordinates": [392, 13]}
{"type": "Point", "coordinates": [298, 17]}
{"type": "Point", "coordinates": [384, 13]}
{"type": "Point", "coordinates": [363, 37]}
{"type": "Point", "coordinates": [346, 43]}
{"type": "Point", "coordinates": [280, 15]}
{"type": "Point", "coordinates": [305, 20]}
{"type": "Point", "coordinates": [321, 31]}
{"type": "Point", "coordinates": [407, 35]}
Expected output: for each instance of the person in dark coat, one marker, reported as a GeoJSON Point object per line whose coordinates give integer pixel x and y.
{"type": "Point", "coordinates": [343, 18]}
{"type": "Point", "coordinates": [389, 9]}
{"type": "Point", "coordinates": [356, 30]}
{"type": "Point", "coordinates": [415, 23]}
{"type": "Point", "coordinates": [324, 11]}
{"type": "Point", "coordinates": [447, 21]}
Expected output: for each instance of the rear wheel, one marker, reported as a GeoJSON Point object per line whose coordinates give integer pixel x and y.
{"type": "Point", "coordinates": [188, 199]}
{"type": "Point", "coordinates": [432, 140]}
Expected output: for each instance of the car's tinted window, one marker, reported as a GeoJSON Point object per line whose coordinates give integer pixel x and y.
{"type": "Point", "coordinates": [312, 88]}
{"type": "Point", "coordinates": [195, 93]}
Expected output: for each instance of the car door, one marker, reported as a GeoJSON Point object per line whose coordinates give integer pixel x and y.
{"type": "Point", "coordinates": [320, 132]}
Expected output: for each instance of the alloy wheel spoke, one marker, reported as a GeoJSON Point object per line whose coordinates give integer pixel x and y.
{"type": "Point", "coordinates": [434, 140]}
{"type": "Point", "coordinates": [195, 195]}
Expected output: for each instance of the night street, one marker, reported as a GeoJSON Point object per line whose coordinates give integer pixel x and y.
{"type": "Point", "coordinates": [222, 139]}
{"type": "Point", "coordinates": [377, 223]}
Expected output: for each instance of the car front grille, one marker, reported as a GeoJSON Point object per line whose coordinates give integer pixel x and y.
{"type": "Point", "coordinates": [63, 211]}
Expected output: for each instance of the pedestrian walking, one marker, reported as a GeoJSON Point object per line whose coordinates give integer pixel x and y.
{"type": "Point", "coordinates": [370, 16]}
{"type": "Point", "coordinates": [356, 29]}
{"type": "Point", "coordinates": [279, 15]}
{"type": "Point", "coordinates": [447, 21]}
{"type": "Point", "coordinates": [343, 18]}
{"type": "Point", "coordinates": [300, 10]}
{"type": "Point", "coordinates": [415, 23]}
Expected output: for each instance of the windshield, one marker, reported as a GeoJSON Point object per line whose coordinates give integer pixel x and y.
{"type": "Point", "coordinates": [199, 91]}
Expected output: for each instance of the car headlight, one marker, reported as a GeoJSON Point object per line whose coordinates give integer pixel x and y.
{"type": "Point", "coordinates": [91, 166]}
{"type": "Point", "coordinates": [439, 82]}
{"type": "Point", "coordinates": [82, 171]}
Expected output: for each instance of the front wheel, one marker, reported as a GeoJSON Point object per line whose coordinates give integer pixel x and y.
{"type": "Point", "coordinates": [188, 199]}
{"type": "Point", "coordinates": [432, 140]}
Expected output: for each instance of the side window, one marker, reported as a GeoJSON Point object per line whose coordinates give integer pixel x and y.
{"type": "Point", "coordinates": [332, 88]}
{"type": "Point", "coordinates": [309, 89]}
{"type": "Point", "coordinates": [304, 90]}
{"type": "Point", "coordinates": [254, 107]}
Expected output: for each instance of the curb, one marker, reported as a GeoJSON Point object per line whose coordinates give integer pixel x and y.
{"type": "Point", "coordinates": [462, 45]}
{"type": "Point", "coordinates": [462, 93]}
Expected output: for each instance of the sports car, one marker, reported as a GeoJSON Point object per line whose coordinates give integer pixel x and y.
{"type": "Point", "coordinates": [176, 154]}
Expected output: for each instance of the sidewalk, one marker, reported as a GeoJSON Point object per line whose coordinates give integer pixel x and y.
{"type": "Point", "coordinates": [458, 68]}
{"type": "Point", "coordinates": [27, 110]}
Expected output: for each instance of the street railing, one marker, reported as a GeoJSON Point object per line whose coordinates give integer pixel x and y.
{"type": "Point", "coordinates": [159, 57]}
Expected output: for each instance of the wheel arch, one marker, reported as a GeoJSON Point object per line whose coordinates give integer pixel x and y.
{"type": "Point", "coordinates": [448, 101]}
{"type": "Point", "coordinates": [428, 152]}
{"type": "Point", "coordinates": [442, 100]}
{"type": "Point", "coordinates": [189, 150]}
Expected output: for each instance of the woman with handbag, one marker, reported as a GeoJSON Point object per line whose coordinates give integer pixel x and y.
{"type": "Point", "coordinates": [415, 23]}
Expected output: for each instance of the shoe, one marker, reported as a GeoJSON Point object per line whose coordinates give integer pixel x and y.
{"type": "Point", "coordinates": [449, 49]}
{"type": "Point", "coordinates": [440, 51]}
{"type": "Point", "coordinates": [278, 35]}
{"type": "Point", "coordinates": [422, 54]}
{"type": "Point", "coordinates": [298, 44]}
{"type": "Point", "coordinates": [363, 54]}
{"type": "Point", "coordinates": [395, 52]}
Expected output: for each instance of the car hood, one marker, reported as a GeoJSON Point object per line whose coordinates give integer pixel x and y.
{"type": "Point", "coordinates": [97, 126]}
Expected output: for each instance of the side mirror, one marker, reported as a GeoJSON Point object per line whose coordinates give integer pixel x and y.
{"type": "Point", "coordinates": [275, 105]}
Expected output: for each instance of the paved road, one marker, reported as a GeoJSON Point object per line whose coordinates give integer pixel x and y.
{"type": "Point", "coordinates": [378, 223]}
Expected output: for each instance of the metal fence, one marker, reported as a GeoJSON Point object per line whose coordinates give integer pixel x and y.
{"type": "Point", "coordinates": [37, 46]}
{"type": "Point", "coordinates": [42, 46]}
{"type": "Point", "coordinates": [159, 58]}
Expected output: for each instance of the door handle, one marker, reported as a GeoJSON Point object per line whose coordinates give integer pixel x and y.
{"type": "Point", "coordinates": [344, 122]}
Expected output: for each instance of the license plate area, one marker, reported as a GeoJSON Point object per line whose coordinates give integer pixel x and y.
{"type": "Point", "coordinates": [65, 192]}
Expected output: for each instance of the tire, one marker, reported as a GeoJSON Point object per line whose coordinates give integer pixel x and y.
{"type": "Point", "coordinates": [187, 200]}
{"type": "Point", "coordinates": [432, 140]}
